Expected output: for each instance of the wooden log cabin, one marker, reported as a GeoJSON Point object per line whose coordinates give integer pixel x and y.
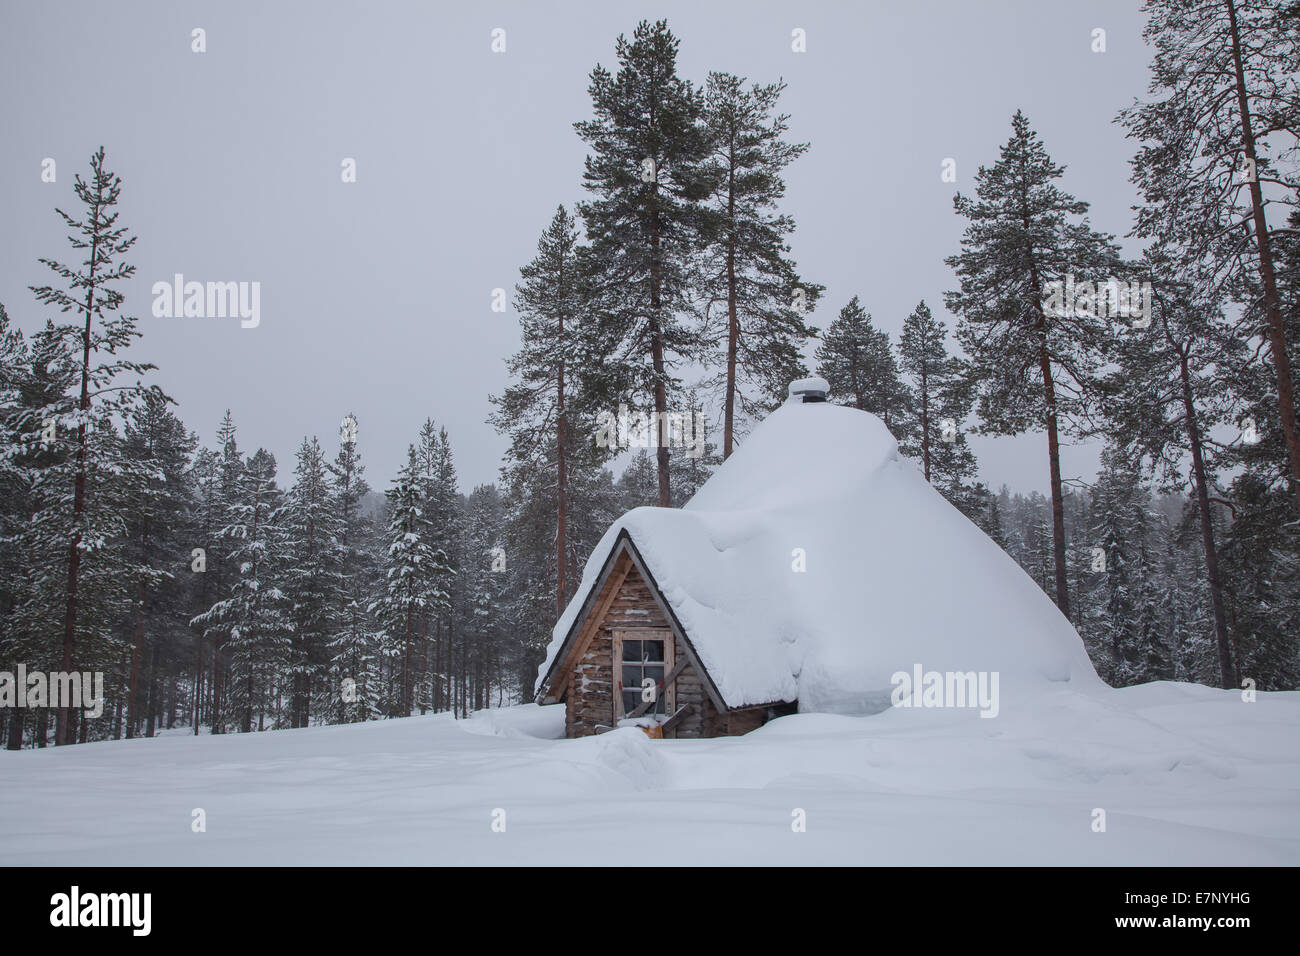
{"type": "Point", "coordinates": [626, 639]}
{"type": "Point", "coordinates": [810, 569]}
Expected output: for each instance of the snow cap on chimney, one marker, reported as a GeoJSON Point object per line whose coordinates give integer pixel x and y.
{"type": "Point", "coordinates": [813, 389]}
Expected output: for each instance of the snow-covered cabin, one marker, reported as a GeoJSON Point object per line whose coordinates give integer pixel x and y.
{"type": "Point", "coordinates": [811, 568]}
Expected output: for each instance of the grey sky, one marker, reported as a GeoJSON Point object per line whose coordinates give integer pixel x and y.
{"type": "Point", "coordinates": [376, 295]}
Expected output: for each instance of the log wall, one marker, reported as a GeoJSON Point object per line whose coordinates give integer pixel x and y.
{"type": "Point", "coordinates": [589, 701]}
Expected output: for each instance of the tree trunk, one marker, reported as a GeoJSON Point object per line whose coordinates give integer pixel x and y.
{"type": "Point", "coordinates": [62, 731]}
{"type": "Point", "coordinates": [15, 740]}
{"type": "Point", "coordinates": [657, 358]}
{"type": "Point", "coordinates": [1053, 450]}
{"type": "Point", "coordinates": [214, 708]}
{"type": "Point", "coordinates": [136, 652]}
{"type": "Point", "coordinates": [1207, 528]}
{"type": "Point", "coordinates": [406, 653]}
{"type": "Point", "coordinates": [1058, 504]}
{"type": "Point", "coordinates": [437, 667]}
{"type": "Point", "coordinates": [925, 420]}
{"type": "Point", "coordinates": [152, 704]}
{"type": "Point", "coordinates": [733, 323]}
{"type": "Point", "coordinates": [198, 684]}
{"type": "Point", "coordinates": [1276, 329]}
{"type": "Point", "coordinates": [562, 494]}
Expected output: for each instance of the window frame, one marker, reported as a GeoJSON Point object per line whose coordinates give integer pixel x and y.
{"type": "Point", "coordinates": [620, 635]}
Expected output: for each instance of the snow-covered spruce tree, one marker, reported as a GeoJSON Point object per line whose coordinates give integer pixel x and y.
{"type": "Point", "coordinates": [1169, 392]}
{"type": "Point", "coordinates": [638, 485]}
{"type": "Point", "coordinates": [857, 360]}
{"type": "Point", "coordinates": [413, 565]}
{"type": "Point", "coordinates": [312, 578]}
{"type": "Point", "coordinates": [207, 522]}
{"type": "Point", "coordinates": [1259, 566]}
{"type": "Point", "coordinates": [1036, 541]}
{"type": "Point", "coordinates": [1032, 363]}
{"type": "Point", "coordinates": [531, 552]}
{"type": "Point", "coordinates": [748, 269]}
{"type": "Point", "coordinates": [159, 505]}
{"type": "Point", "coordinates": [542, 411]}
{"type": "Point", "coordinates": [218, 479]}
{"type": "Point", "coordinates": [24, 387]}
{"type": "Point", "coordinates": [647, 223]}
{"type": "Point", "coordinates": [89, 290]}
{"type": "Point", "coordinates": [353, 685]}
{"type": "Point", "coordinates": [1184, 615]}
{"type": "Point", "coordinates": [1218, 147]}
{"type": "Point", "coordinates": [440, 502]}
{"type": "Point", "coordinates": [693, 466]}
{"type": "Point", "coordinates": [942, 394]}
{"type": "Point", "coordinates": [255, 619]}
{"type": "Point", "coordinates": [1120, 620]}
{"type": "Point", "coordinates": [485, 573]}
{"type": "Point", "coordinates": [991, 520]}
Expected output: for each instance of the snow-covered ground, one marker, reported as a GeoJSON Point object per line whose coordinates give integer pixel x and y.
{"type": "Point", "coordinates": [1185, 775]}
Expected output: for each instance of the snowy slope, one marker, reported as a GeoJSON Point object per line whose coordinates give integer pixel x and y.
{"type": "Point", "coordinates": [1186, 775]}
{"type": "Point", "coordinates": [895, 576]}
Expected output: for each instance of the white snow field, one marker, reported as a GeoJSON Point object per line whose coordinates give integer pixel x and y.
{"type": "Point", "coordinates": [1186, 775]}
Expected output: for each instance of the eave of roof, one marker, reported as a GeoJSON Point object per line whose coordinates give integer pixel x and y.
{"type": "Point", "coordinates": [623, 544]}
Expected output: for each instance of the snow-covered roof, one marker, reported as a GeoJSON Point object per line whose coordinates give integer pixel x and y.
{"type": "Point", "coordinates": [816, 563]}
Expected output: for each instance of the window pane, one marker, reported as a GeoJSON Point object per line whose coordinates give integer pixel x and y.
{"type": "Point", "coordinates": [654, 650]}
{"type": "Point", "coordinates": [632, 650]}
{"type": "Point", "coordinates": [631, 675]}
{"type": "Point", "coordinates": [631, 700]}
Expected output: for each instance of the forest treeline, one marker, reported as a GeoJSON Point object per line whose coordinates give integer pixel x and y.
{"type": "Point", "coordinates": [212, 598]}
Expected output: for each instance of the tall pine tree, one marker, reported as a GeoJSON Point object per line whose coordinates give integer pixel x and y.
{"type": "Point", "coordinates": [1033, 363]}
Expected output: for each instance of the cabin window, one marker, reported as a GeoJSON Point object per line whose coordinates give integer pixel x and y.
{"type": "Point", "coordinates": [640, 656]}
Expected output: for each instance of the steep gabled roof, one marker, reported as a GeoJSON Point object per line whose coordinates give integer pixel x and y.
{"type": "Point", "coordinates": [624, 554]}
{"type": "Point", "coordinates": [815, 563]}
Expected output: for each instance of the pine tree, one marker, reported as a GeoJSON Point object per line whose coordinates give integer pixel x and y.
{"type": "Point", "coordinates": [695, 465]}
{"type": "Point", "coordinates": [941, 399]}
{"type": "Point", "coordinates": [256, 619]}
{"type": "Point", "coordinates": [1033, 363]}
{"type": "Point", "coordinates": [158, 519]}
{"type": "Point", "coordinates": [439, 496]}
{"type": "Point", "coordinates": [486, 588]}
{"type": "Point", "coordinates": [218, 480]}
{"type": "Point", "coordinates": [26, 388]}
{"type": "Point", "coordinates": [542, 411]}
{"type": "Point", "coordinates": [1166, 396]}
{"type": "Point", "coordinates": [93, 345]}
{"type": "Point", "coordinates": [353, 685]}
{"type": "Point", "coordinates": [857, 361]}
{"type": "Point", "coordinates": [647, 222]}
{"type": "Point", "coordinates": [749, 270]}
{"type": "Point", "coordinates": [637, 485]}
{"type": "Point", "coordinates": [312, 576]}
{"type": "Point", "coordinates": [1261, 566]}
{"type": "Point", "coordinates": [411, 564]}
{"type": "Point", "coordinates": [1119, 622]}
{"type": "Point", "coordinates": [1223, 87]}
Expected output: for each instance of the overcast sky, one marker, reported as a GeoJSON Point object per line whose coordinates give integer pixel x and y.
{"type": "Point", "coordinates": [376, 295]}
